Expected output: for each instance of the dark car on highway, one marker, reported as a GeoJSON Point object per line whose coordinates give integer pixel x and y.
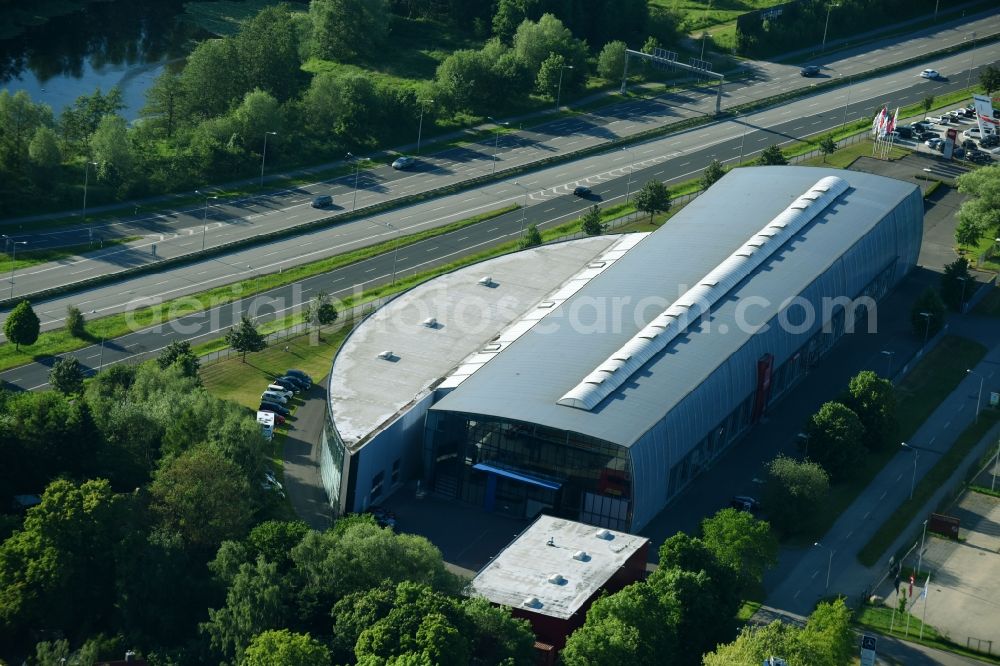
{"type": "Point", "coordinates": [581, 191]}
{"type": "Point", "coordinates": [322, 201]}
{"type": "Point", "coordinates": [809, 70]}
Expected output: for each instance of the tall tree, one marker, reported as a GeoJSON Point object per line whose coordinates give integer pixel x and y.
{"type": "Point", "coordinates": [743, 543]}
{"type": "Point", "coordinates": [179, 353]}
{"type": "Point", "coordinates": [712, 173]}
{"type": "Point", "coordinates": [632, 626]}
{"type": "Point", "coordinates": [164, 102]}
{"type": "Point", "coordinates": [347, 29]}
{"type": "Point", "coordinates": [209, 87]}
{"type": "Point", "coordinates": [22, 325]}
{"type": "Point", "coordinates": [20, 120]}
{"type": "Point", "coordinates": [268, 50]}
{"type": "Point", "coordinates": [244, 338]}
{"type": "Point", "coordinates": [989, 78]}
{"type": "Point", "coordinates": [980, 212]}
{"type": "Point", "coordinates": [44, 151]}
{"type": "Point", "coordinates": [591, 223]}
{"type": "Point", "coordinates": [873, 399]}
{"type": "Point", "coordinates": [285, 648]}
{"type": "Point", "coordinates": [955, 287]}
{"type": "Point", "coordinates": [112, 150]}
{"type": "Point", "coordinates": [534, 42]}
{"type": "Point", "coordinates": [653, 198]}
{"type": "Point", "coordinates": [611, 61]}
{"type": "Point", "coordinates": [835, 440]}
{"type": "Point", "coordinates": [204, 497]}
{"type": "Point", "coordinates": [793, 492]}
{"type": "Point", "coordinates": [827, 146]}
{"type": "Point", "coordinates": [772, 155]}
{"type": "Point", "coordinates": [67, 376]}
{"type": "Point", "coordinates": [78, 122]}
{"type": "Point", "coordinates": [75, 324]}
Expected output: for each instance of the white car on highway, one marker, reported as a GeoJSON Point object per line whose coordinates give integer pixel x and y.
{"type": "Point", "coordinates": [932, 74]}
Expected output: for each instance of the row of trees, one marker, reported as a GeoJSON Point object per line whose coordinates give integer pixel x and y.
{"type": "Point", "coordinates": [687, 606]}
{"type": "Point", "coordinates": [208, 121]}
{"type": "Point", "coordinates": [837, 439]}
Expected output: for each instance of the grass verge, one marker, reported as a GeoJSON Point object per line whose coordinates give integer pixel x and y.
{"type": "Point", "coordinates": [879, 618]}
{"type": "Point", "coordinates": [930, 382]}
{"type": "Point", "coordinates": [30, 258]}
{"type": "Point", "coordinates": [56, 342]}
{"type": "Point", "coordinates": [932, 481]}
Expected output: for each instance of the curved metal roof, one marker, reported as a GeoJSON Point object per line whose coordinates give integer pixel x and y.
{"type": "Point", "coordinates": [702, 298]}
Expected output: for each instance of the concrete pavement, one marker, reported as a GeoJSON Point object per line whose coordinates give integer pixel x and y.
{"type": "Point", "coordinates": [301, 460]}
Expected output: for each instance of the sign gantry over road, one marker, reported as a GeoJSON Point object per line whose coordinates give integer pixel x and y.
{"type": "Point", "coordinates": [668, 60]}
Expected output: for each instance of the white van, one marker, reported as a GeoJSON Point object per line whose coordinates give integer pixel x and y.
{"type": "Point", "coordinates": [271, 396]}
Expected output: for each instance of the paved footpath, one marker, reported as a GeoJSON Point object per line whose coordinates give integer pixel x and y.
{"type": "Point", "coordinates": [301, 455]}
{"type": "Point", "coordinates": [800, 580]}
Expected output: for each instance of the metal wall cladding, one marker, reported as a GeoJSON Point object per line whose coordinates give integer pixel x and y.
{"type": "Point", "coordinates": [895, 240]}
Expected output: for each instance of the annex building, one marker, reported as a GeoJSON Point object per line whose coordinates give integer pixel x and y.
{"type": "Point", "coordinates": [594, 379]}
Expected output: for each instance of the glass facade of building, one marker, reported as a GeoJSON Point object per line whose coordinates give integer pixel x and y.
{"type": "Point", "coordinates": [520, 469]}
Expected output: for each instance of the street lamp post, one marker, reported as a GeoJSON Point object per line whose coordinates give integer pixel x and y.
{"type": "Point", "coordinates": [888, 370]}
{"type": "Point", "coordinates": [86, 180]}
{"type": "Point", "coordinates": [979, 398]}
{"type": "Point", "coordinates": [743, 138]}
{"type": "Point", "coordinates": [704, 35]}
{"type": "Point", "coordinates": [562, 69]}
{"type": "Point", "coordinates": [420, 127]}
{"type": "Point", "coordinates": [264, 156]}
{"type": "Point", "coordinates": [496, 143]}
{"type": "Point", "coordinates": [829, 9]}
{"type": "Point", "coordinates": [972, 59]}
{"type": "Point", "coordinates": [204, 218]}
{"type": "Point", "coordinates": [850, 83]}
{"type": "Point", "coordinates": [916, 457]}
{"type": "Point", "coordinates": [524, 208]}
{"type": "Point", "coordinates": [920, 555]}
{"type": "Point", "coordinates": [395, 249]}
{"type": "Point", "coordinates": [829, 564]}
{"type": "Point", "coordinates": [357, 175]}
{"type": "Point", "coordinates": [631, 168]}
{"type": "Point", "coordinates": [961, 301]}
{"type": "Point", "coordinates": [13, 258]}
{"type": "Point", "coordinates": [927, 329]}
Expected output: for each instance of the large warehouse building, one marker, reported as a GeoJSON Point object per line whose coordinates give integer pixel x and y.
{"type": "Point", "coordinates": [593, 380]}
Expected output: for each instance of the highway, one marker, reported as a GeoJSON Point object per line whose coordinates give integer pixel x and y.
{"type": "Point", "coordinates": [669, 159]}
{"type": "Point", "coordinates": [173, 233]}
{"type": "Point", "coordinates": [547, 194]}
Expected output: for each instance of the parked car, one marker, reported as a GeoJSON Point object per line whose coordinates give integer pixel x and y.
{"type": "Point", "coordinates": [286, 384]}
{"type": "Point", "coordinates": [958, 153]}
{"type": "Point", "coordinates": [280, 390]}
{"type": "Point", "coordinates": [403, 162]}
{"type": "Point", "coordinates": [271, 484]}
{"type": "Point", "coordinates": [296, 384]}
{"type": "Point", "coordinates": [744, 503]}
{"type": "Point", "coordinates": [383, 517]}
{"type": "Point", "coordinates": [989, 141]}
{"type": "Point", "coordinates": [977, 156]}
{"type": "Point", "coordinates": [269, 406]}
{"type": "Point", "coordinates": [969, 144]}
{"type": "Point", "coordinates": [271, 396]}
{"type": "Point", "coordinates": [938, 120]}
{"type": "Point", "coordinates": [920, 125]}
{"type": "Point", "coordinates": [809, 70]}
{"type": "Point", "coordinates": [935, 144]}
{"type": "Point", "coordinates": [300, 375]}
{"type": "Point", "coordinates": [904, 132]}
{"type": "Point", "coordinates": [932, 74]}
{"type": "Point", "coordinates": [581, 191]}
{"type": "Point", "coordinates": [322, 201]}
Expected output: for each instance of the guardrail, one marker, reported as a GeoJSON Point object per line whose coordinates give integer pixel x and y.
{"type": "Point", "coordinates": [502, 174]}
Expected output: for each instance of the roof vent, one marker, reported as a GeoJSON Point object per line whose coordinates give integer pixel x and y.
{"type": "Point", "coordinates": [532, 602]}
{"type": "Point", "coordinates": [581, 556]}
{"type": "Point", "coordinates": [605, 534]}
{"type": "Point", "coordinates": [557, 579]}
{"type": "Point", "coordinates": [486, 281]}
{"type": "Point", "coordinates": [385, 355]}
{"type": "Point", "coordinates": [430, 322]}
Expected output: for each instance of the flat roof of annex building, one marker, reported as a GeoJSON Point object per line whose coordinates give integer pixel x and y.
{"type": "Point", "coordinates": [367, 392]}
{"type": "Point", "coordinates": [526, 381]}
{"type": "Point", "coordinates": [555, 566]}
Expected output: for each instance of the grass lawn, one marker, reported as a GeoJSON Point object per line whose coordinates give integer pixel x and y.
{"type": "Point", "coordinates": [243, 382]}
{"type": "Point", "coordinates": [55, 342]}
{"type": "Point", "coordinates": [880, 618]}
{"type": "Point", "coordinates": [930, 382]}
{"type": "Point", "coordinates": [30, 258]}
{"type": "Point", "coordinates": [934, 479]}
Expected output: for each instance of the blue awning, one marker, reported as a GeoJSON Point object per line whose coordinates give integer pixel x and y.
{"type": "Point", "coordinates": [518, 476]}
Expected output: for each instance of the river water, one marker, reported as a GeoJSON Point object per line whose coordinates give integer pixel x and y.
{"type": "Point", "coordinates": [115, 42]}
